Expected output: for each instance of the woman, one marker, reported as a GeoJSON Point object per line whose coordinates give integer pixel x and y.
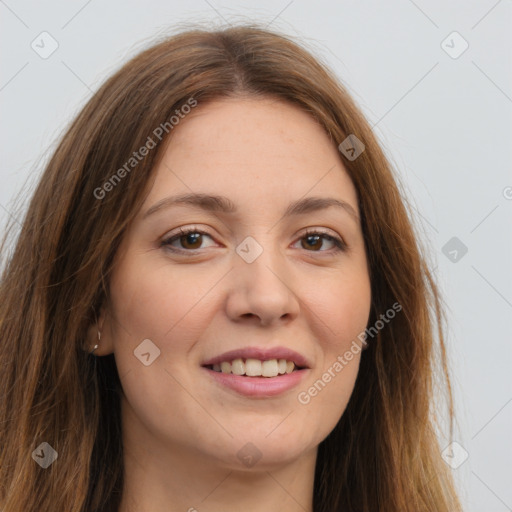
{"type": "Point", "coordinates": [217, 300]}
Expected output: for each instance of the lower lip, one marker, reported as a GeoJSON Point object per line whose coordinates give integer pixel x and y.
{"type": "Point", "coordinates": [259, 386]}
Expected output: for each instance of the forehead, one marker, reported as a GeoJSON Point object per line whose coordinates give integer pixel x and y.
{"type": "Point", "coordinates": [252, 149]}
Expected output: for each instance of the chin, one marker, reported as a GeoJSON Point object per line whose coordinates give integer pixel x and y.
{"type": "Point", "coordinates": [261, 452]}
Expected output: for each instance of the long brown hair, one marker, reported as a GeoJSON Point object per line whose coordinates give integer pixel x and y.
{"type": "Point", "coordinates": [383, 455]}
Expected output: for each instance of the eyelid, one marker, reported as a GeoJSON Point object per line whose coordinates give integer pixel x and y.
{"type": "Point", "coordinates": [322, 231]}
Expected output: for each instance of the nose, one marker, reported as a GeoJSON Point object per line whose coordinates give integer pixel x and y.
{"type": "Point", "coordinates": [262, 292]}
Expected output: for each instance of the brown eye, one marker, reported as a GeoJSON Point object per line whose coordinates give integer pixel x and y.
{"type": "Point", "coordinates": [313, 241]}
{"type": "Point", "coordinates": [191, 241]}
{"type": "Point", "coordinates": [188, 240]}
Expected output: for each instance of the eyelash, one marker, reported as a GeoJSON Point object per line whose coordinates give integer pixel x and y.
{"type": "Point", "coordinates": [338, 242]}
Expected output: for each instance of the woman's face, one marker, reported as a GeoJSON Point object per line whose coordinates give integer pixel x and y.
{"type": "Point", "coordinates": [245, 283]}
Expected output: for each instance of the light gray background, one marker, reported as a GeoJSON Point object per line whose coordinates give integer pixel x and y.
{"type": "Point", "coordinates": [444, 122]}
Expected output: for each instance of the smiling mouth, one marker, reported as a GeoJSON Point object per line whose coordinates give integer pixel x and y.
{"type": "Point", "coordinates": [255, 367]}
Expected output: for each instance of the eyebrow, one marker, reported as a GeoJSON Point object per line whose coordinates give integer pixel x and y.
{"type": "Point", "coordinates": [221, 204]}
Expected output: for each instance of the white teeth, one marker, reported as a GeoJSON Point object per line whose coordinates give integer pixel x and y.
{"type": "Point", "coordinates": [238, 367]}
{"type": "Point", "coordinates": [255, 367]}
{"type": "Point", "coordinates": [269, 368]}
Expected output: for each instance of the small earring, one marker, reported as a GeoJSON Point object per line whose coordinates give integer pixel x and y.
{"type": "Point", "coordinates": [97, 345]}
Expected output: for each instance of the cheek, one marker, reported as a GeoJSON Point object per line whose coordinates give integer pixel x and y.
{"type": "Point", "coordinates": [151, 304]}
{"type": "Point", "coordinates": [341, 304]}
{"type": "Point", "coordinates": [151, 301]}
{"type": "Point", "coordinates": [350, 313]}
{"type": "Point", "coordinates": [341, 308]}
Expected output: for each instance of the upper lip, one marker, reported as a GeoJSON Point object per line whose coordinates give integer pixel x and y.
{"type": "Point", "coordinates": [263, 354]}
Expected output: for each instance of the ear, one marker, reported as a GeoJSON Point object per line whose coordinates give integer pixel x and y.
{"type": "Point", "coordinates": [104, 342]}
